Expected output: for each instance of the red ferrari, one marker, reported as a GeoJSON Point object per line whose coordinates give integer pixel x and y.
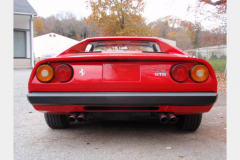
{"type": "Point", "coordinates": [125, 78]}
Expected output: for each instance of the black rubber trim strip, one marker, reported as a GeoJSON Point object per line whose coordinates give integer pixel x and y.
{"type": "Point", "coordinates": [122, 98]}
{"type": "Point", "coordinates": [95, 108]}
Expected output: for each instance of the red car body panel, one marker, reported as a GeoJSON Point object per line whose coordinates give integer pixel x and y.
{"type": "Point", "coordinates": [128, 71]}
{"type": "Point", "coordinates": [96, 79]}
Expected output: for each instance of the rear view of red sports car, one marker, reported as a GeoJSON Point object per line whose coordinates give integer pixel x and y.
{"type": "Point", "coordinates": [123, 78]}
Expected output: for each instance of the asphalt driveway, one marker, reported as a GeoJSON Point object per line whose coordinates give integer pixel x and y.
{"type": "Point", "coordinates": [33, 139]}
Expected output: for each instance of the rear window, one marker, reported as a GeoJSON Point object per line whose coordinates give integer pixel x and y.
{"type": "Point", "coordinates": [145, 46]}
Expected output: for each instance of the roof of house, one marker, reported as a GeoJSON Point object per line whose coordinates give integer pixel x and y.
{"type": "Point", "coordinates": [52, 34]}
{"type": "Point", "coordinates": [23, 7]}
{"type": "Point", "coordinates": [51, 44]}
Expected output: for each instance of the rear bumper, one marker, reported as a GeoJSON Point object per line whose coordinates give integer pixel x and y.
{"type": "Point", "coordinates": [123, 98]}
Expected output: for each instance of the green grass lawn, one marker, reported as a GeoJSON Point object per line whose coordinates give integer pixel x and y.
{"type": "Point", "coordinates": [218, 65]}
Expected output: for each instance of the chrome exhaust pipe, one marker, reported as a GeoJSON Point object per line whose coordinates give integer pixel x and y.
{"type": "Point", "coordinates": [172, 118]}
{"type": "Point", "coordinates": [72, 118]}
{"type": "Point", "coordinates": [81, 118]}
{"type": "Point", "coordinates": [163, 118]}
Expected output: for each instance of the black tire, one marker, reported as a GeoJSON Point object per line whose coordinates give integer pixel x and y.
{"type": "Point", "coordinates": [189, 122]}
{"type": "Point", "coordinates": [56, 121]}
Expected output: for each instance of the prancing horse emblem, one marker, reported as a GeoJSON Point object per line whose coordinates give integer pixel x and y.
{"type": "Point", "coordinates": [82, 72]}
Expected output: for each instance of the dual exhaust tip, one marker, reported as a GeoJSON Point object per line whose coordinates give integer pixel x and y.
{"type": "Point", "coordinates": [163, 118]}
{"type": "Point", "coordinates": [169, 117]}
{"type": "Point", "coordinates": [75, 117]}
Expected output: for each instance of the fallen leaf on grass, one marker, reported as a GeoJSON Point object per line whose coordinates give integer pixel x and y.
{"type": "Point", "coordinates": [181, 156]}
{"type": "Point", "coordinates": [168, 147]}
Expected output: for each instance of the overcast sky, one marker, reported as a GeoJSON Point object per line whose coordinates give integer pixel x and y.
{"type": "Point", "coordinates": [154, 8]}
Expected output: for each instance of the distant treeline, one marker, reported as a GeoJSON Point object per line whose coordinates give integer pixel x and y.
{"type": "Point", "coordinates": [64, 23]}
{"type": "Point", "coordinates": [187, 35]}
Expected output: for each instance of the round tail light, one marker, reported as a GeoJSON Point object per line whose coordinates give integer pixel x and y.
{"type": "Point", "coordinates": [63, 72]}
{"type": "Point", "coordinates": [199, 73]}
{"type": "Point", "coordinates": [180, 73]}
{"type": "Point", "coordinates": [45, 73]}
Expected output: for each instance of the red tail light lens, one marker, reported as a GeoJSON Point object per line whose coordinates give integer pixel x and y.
{"type": "Point", "coordinates": [63, 72]}
{"type": "Point", "coordinates": [180, 73]}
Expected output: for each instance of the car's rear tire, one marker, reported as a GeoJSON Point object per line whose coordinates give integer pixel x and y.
{"type": "Point", "coordinates": [56, 121]}
{"type": "Point", "coordinates": [189, 122]}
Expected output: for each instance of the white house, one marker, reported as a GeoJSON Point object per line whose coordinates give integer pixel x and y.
{"type": "Point", "coordinates": [172, 42]}
{"type": "Point", "coordinates": [23, 34]}
{"type": "Point", "coordinates": [51, 44]}
{"type": "Point", "coordinates": [206, 52]}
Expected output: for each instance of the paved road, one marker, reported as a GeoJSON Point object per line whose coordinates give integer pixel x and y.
{"type": "Point", "coordinates": [33, 139]}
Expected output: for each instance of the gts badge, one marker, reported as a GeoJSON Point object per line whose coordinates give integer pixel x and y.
{"type": "Point", "coordinates": [160, 73]}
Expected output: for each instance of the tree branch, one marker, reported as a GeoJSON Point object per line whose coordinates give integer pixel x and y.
{"type": "Point", "coordinates": [214, 3]}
